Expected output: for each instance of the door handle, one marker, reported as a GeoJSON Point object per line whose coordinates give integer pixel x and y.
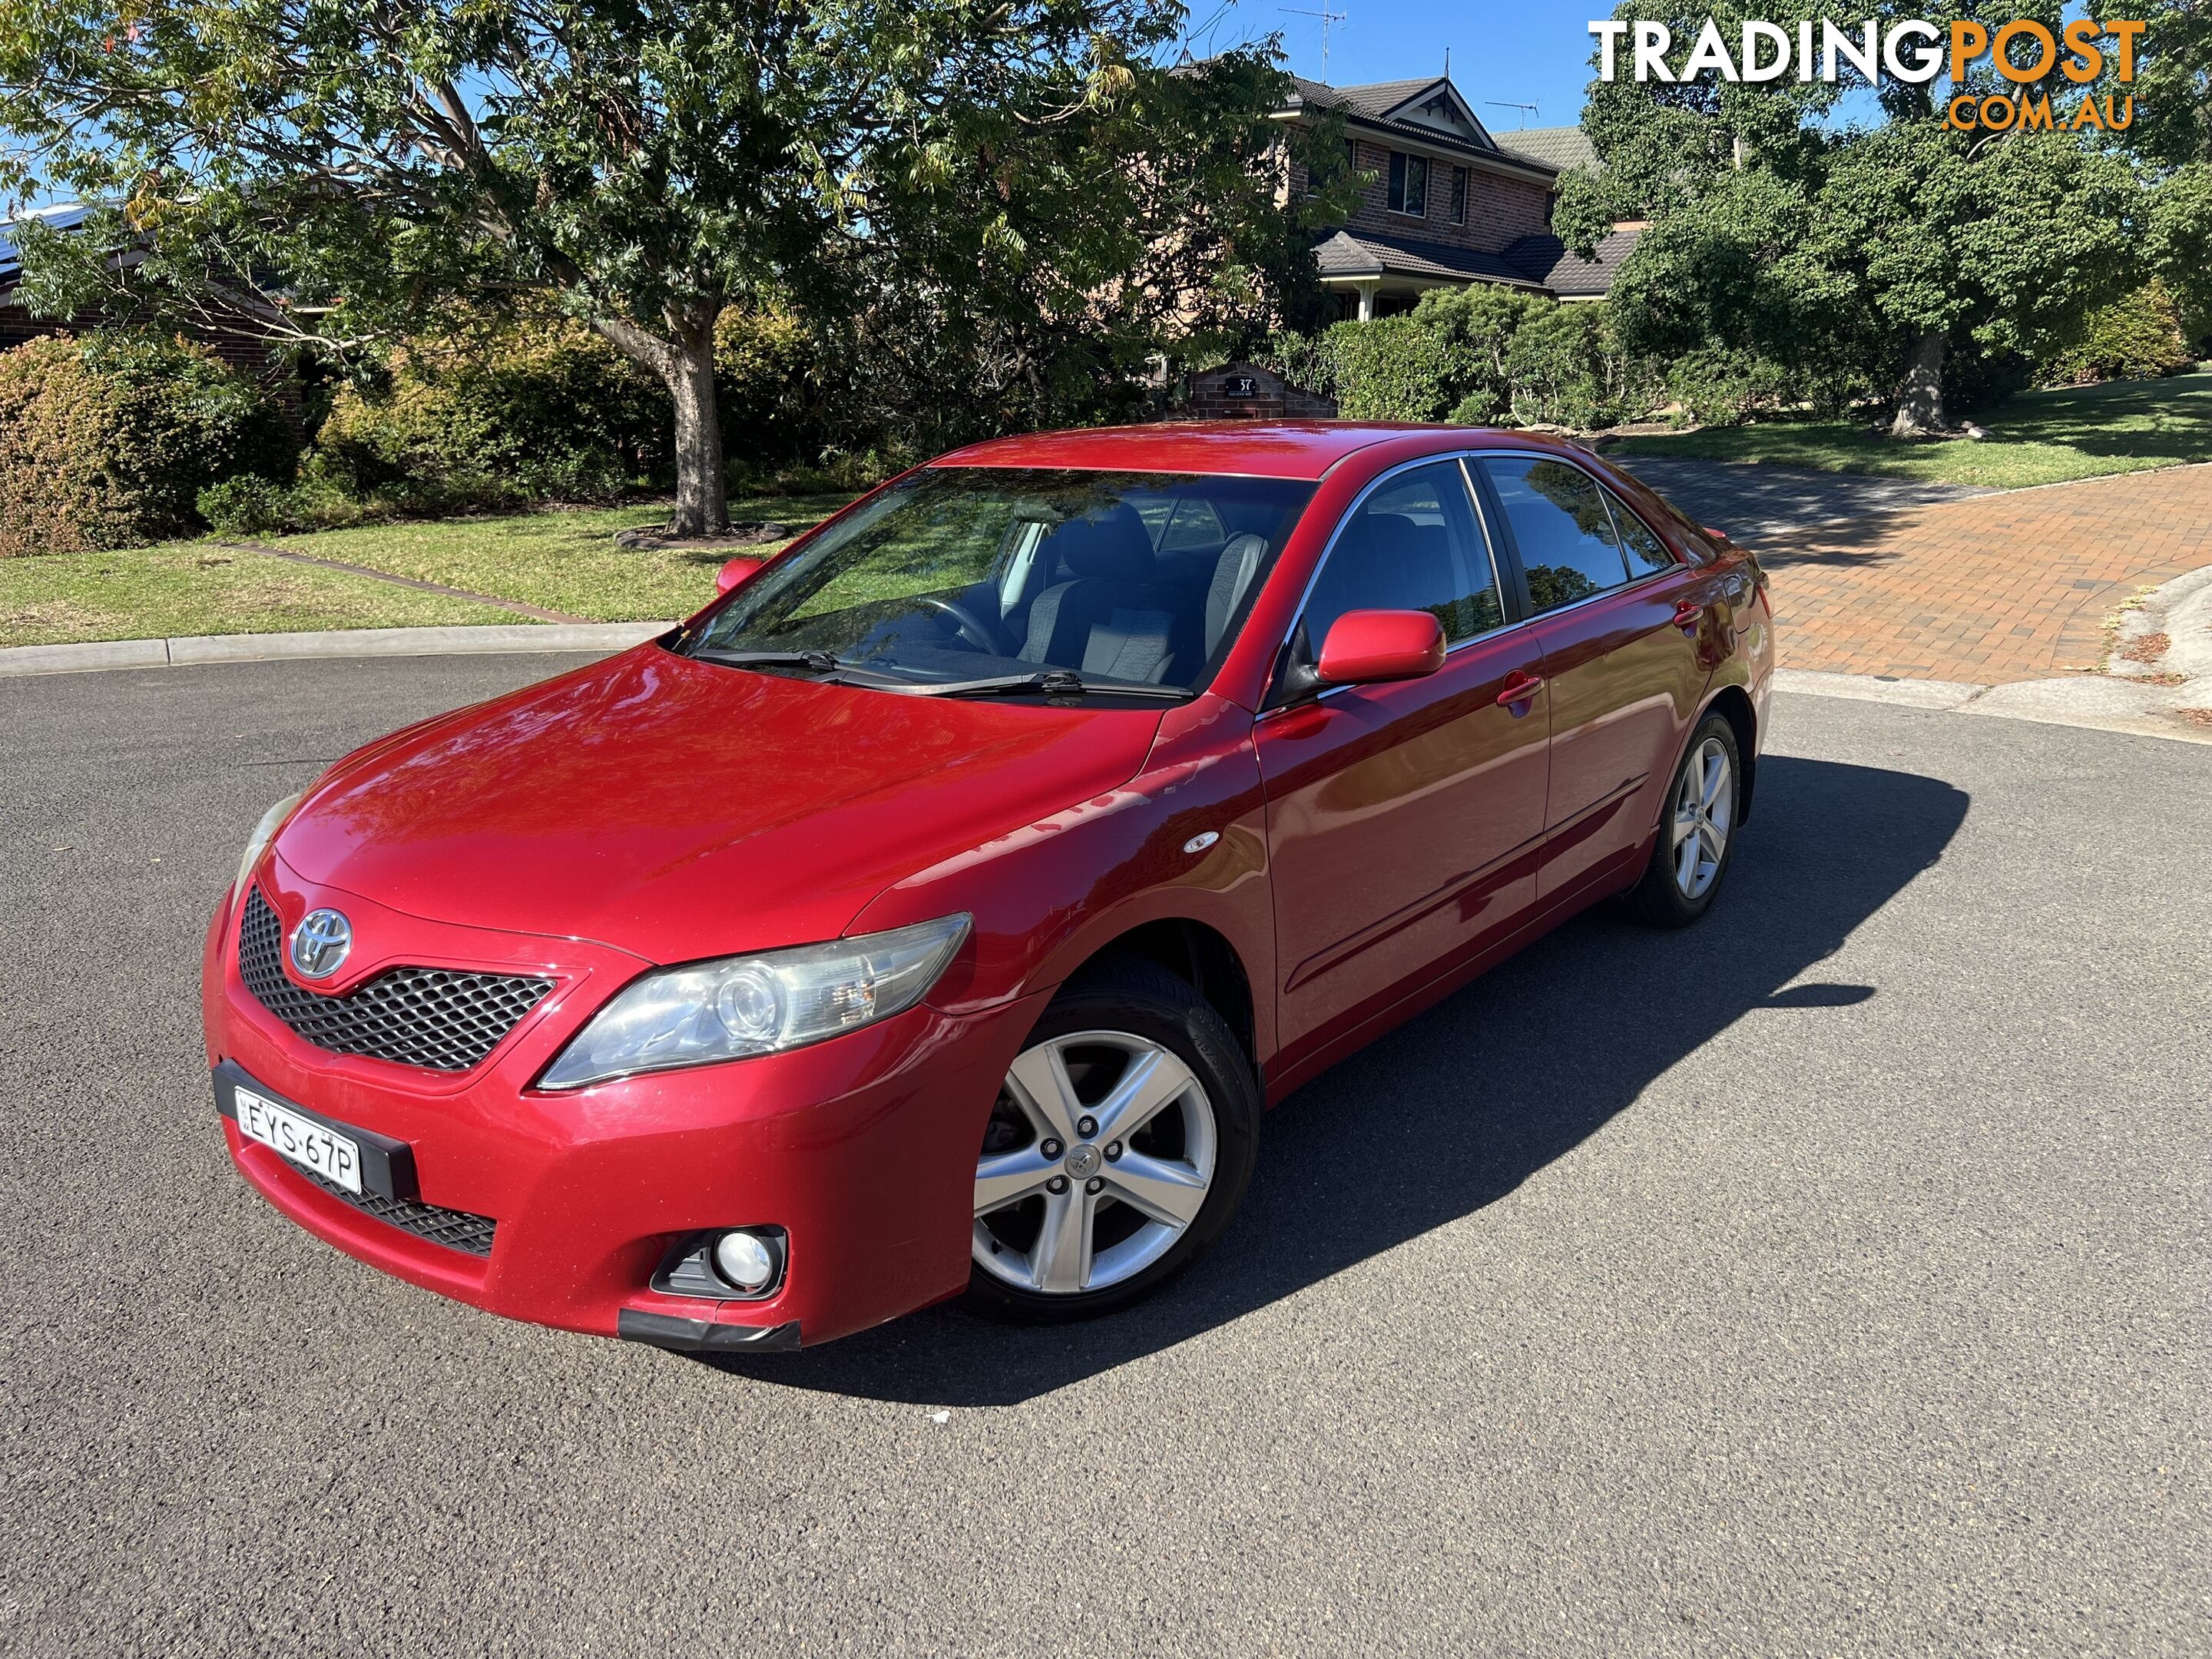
{"type": "Point", "coordinates": [1688, 613]}
{"type": "Point", "coordinates": [1522, 686]}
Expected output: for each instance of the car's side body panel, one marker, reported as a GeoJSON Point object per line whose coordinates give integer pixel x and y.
{"type": "Point", "coordinates": [1623, 684]}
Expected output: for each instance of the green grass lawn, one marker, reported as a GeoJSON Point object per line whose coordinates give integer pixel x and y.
{"type": "Point", "coordinates": [2037, 437]}
{"type": "Point", "coordinates": [564, 560]}
{"type": "Point", "coordinates": [147, 592]}
{"type": "Point", "coordinates": [559, 560]}
{"type": "Point", "coordinates": [568, 561]}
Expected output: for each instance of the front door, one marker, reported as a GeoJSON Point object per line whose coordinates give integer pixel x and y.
{"type": "Point", "coordinates": [1622, 664]}
{"type": "Point", "coordinates": [1403, 820]}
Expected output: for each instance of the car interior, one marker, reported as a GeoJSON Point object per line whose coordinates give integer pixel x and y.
{"type": "Point", "coordinates": [1142, 585]}
{"type": "Point", "coordinates": [1126, 595]}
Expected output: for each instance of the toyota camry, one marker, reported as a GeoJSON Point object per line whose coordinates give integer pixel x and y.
{"type": "Point", "coordinates": [938, 911]}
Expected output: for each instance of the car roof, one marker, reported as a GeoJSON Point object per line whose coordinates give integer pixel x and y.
{"type": "Point", "coordinates": [1266, 449]}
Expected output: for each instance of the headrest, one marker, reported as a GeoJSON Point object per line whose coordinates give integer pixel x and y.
{"type": "Point", "coordinates": [1382, 533]}
{"type": "Point", "coordinates": [1108, 541]}
{"type": "Point", "coordinates": [1239, 561]}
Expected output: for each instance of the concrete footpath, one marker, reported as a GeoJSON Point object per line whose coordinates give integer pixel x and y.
{"type": "Point", "coordinates": [184, 651]}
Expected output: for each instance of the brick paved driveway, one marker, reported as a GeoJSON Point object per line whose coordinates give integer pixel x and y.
{"type": "Point", "coordinates": [2010, 586]}
{"type": "Point", "coordinates": [1753, 501]}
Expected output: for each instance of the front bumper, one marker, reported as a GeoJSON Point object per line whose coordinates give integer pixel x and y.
{"type": "Point", "coordinates": [862, 1148]}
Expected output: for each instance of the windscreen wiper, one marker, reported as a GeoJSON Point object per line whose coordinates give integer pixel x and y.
{"type": "Point", "coordinates": [821, 662]}
{"type": "Point", "coordinates": [1052, 681]}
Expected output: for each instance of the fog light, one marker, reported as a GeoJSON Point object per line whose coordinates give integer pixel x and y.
{"type": "Point", "coordinates": [744, 1260]}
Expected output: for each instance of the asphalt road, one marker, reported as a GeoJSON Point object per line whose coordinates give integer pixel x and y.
{"type": "Point", "coordinates": [1830, 1279]}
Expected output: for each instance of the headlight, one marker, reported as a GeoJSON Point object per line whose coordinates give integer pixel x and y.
{"type": "Point", "coordinates": [757, 1004]}
{"type": "Point", "coordinates": [271, 822]}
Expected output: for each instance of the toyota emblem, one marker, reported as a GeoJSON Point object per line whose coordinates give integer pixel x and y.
{"type": "Point", "coordinates": [320, 942]}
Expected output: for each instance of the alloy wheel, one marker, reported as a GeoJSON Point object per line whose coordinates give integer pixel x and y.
{"type": "Point", "coordinates": [1098, 1157]}
{"type": "Point", "coordinates": [1703, 806]}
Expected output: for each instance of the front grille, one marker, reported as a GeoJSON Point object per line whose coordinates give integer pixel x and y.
{"type": "Point", "coordinates": [456, 1230]}
{"type": "Point", "coordinates": [430, 1016]}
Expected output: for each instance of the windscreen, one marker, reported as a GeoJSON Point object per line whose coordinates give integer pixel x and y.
{"type": "Point", "coordinates": [962, 575]}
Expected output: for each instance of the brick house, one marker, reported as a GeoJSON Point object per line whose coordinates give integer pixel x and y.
{"type": "Point", "coordinates": [17, 325]}
{"type": "Point", "coordinates": [240, 346]}
{"type": "Point", "coordinates": [1443, 203]}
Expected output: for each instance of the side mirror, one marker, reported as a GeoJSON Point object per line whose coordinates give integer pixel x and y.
{"type": "Point", "coordinates": [1370, 648]}
{"type": "Point", "coordinates": [736, 573]}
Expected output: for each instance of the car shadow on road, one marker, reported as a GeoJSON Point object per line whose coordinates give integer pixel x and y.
{"type": "Point", "coordinates": [1458, 1108]}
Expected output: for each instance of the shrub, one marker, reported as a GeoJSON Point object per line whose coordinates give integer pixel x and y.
{"type": "Point", "coordinates": [1557, 369]}
{"type": "Point", "coordinates": [245, 505]}
{"type": "Point", "coordinates": [1480, 324]}
{"type": "Point", "coordinates": [1394, 368]}
{"type": "Point", "coordinates": [538, 411]}
{"type": "Point", "coordinates": [478, 419]}
{"type": "Point", "coordinates": [780, 389]}
{"type": "Point", "coordinates": [106, 441]}
{"type": "Point", "coordinates": [1476, 409]}
{"type": "Point", "coordinates": [1719, 388]}
{"type": "Point", "coordinates": [2138, 337]}
{"type": "Point", "coordinates": [1303, 360]}
{"type": "Point", "coordinates": [1473, 356]}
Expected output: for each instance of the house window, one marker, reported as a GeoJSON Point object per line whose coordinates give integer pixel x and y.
{"type": "Point", "coordinates": [1459, 196]}
{"type": "Point", "coordinates": [1409, 185]}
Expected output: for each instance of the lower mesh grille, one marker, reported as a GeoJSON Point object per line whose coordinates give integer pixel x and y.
{"type": "Point", "coordinates": [456, 1230]}
{"type": "Point", "coordinates": [430, 1016]}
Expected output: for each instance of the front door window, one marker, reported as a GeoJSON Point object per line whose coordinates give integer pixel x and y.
{"type": "Point", "coordinates": [1413, 544]}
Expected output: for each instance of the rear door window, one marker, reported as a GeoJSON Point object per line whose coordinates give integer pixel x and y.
{"type": "Point", "coordinates": [1561, 528]}
{"type": "Point", "coordinates": [1646, 552]}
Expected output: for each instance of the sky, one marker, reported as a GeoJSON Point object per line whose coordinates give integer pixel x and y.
{"type": "Point", "coordinates": [1528, 51]}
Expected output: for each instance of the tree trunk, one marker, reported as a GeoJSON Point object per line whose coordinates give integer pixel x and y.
{"type": "Point", "coordinates": [702, 507]}
{"type": "Point", "coordinates": [1920, 394]}
{"type": "Point", "coordinates": [685, 363]}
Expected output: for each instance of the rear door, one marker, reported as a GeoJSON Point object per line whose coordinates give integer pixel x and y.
{"type": "Point", "coordinates": [1404, 820]}
{"type": "Point", "coordinates": [1619, 620]}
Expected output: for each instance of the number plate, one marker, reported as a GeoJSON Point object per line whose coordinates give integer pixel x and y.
{"type": "Point", "coordinates": [306, 1143]}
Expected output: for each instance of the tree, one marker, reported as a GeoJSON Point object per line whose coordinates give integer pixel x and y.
{"type": "Point", "coordinates": [335, 169]}
{"type": "Point", "coordinates": [1891, 246]}
{"type": "Point", "coordinates": [1997, 247]}
{"type": "Point", "coordinates": [2172, 126]}
{"type": "Point", "coordinates": [1027, 273]}
{"type": "Point", "coordinates": [2172, 137]}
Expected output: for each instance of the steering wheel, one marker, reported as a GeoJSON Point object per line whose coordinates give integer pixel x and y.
{"type": "Point", "coordinates": [971, 629]}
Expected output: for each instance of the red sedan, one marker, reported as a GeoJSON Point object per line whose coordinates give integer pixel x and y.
{"type": "Point", "coordinates": [938, 910]}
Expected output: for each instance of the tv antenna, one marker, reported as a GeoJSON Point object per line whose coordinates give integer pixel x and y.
{"type": "Point", "coordinates": [1499, 103]}
{"type": "Point", "coordinates": [1327, 17]}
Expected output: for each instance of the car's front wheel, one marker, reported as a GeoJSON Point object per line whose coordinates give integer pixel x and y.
{"type": "Point", "coordinates": [1119, 1145]}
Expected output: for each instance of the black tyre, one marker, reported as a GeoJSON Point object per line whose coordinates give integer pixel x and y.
{"type": "Point", "coordinates": [1697, 830]}
{"type": "Point", "coordinates": [1120, 1146]}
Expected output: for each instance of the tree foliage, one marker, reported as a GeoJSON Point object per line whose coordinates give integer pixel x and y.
{"type": "Point", "coordinates": [974, 184]}
{"type": "Point", "coordinates": [2137, 337]}
{"type": "Point", "coordinates": [1826, 258]}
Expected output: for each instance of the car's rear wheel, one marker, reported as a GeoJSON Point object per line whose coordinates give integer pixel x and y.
{"type": "Point", "coordinates": [1696, 831]}
{"type": "Point", "coordinates": [1119, 1145]}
